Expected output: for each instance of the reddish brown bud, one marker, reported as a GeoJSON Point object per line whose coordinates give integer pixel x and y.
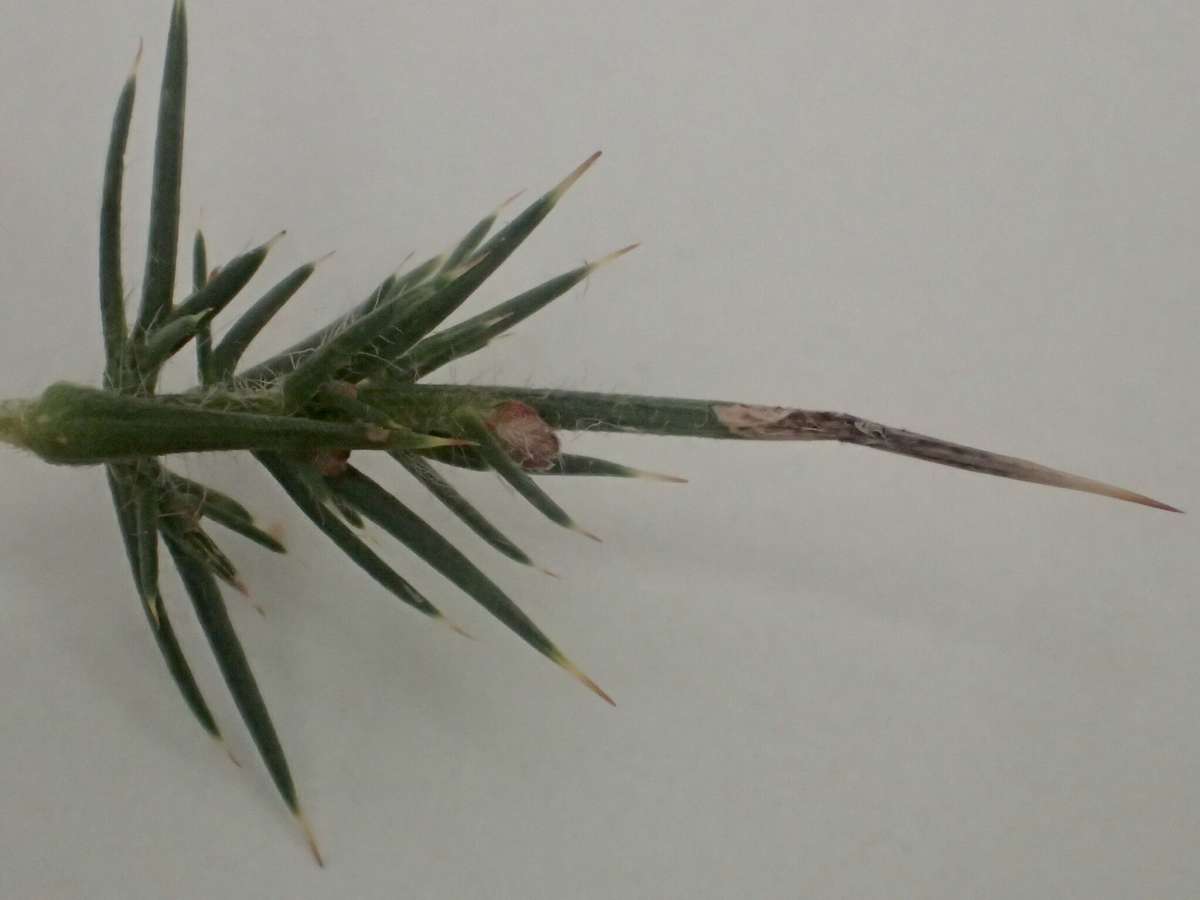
{"type": "Point", "coordinates": [331, 463]}
{"type": "Point", "coordinates": [524, 434]}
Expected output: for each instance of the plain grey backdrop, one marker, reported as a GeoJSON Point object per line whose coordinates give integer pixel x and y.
{"type": "Point", "coordinates": [838, 673]}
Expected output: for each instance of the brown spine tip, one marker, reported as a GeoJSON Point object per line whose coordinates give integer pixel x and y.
{"type": "Point", "coordinates": [458, 629]}
{"type": "Point", "coordinates": [507, 201]}
{"type": "Point", "coordinates": [1146, 501]}
{"type": "Point", "coordinates": [583, 679]}
{"type": "Point", "coordinates": [565, 185]}
{"type": "Point", "coordinates": [224, 746]}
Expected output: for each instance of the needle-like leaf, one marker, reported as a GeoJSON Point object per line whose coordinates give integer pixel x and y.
{"type": "Point", "coordinates": [411, 530]}
{"type": "Point", "coordinates": [218, 291]}
{"type": "Point", "coordinates": [112, 283]}
{"type": "Point", "coordinates": [121, 479]}
{"type": "Point", "coordinates": [163, 343]}
{"type": "Point", "coordinates": [575, 464]}
{"type": "Point", "coordinates": [189, 537]}
{"type": "Point", "coordinates": [220, 508]}
{"type": "Point", "coordinates": [394, 290]}
{"type": "Point", "coordinates": [472, 426]}
{"type": "Point", "coordinates": [460, 506]}
{"type": "Point", "coordinates": [163, 245]}
{"type": "Point", "coordinates": [204, 333]}
{"type": "Point", "coordinates": [210, 609]}
{"type": "Point", "coordinates": [363, 556]}
{"type": "Point", "coordinates": [478, 331]}
{"type": "Point", "coordinates": [469, 457]}
{"type": "Point", "coordinates": [228, 353]}
{"type": "Point", "coordinates": [420, 319]}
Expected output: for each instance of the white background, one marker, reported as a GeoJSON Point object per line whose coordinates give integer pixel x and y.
{"type": "Point", "coordinates": [838, 673]}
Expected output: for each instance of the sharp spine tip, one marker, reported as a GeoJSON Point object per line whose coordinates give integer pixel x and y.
{"type": "Point", "coordinates": [587, 534]}
{"type": "Point", "coordinates": [565, 185]}
{"type": "Point", "coordinates": [152, 607]}
{"type": "Point", "coordinates": [459, 630]}
{"type": "Point", "coordinates": [505, 202]}
{"type": "Point", "coordinates": [583, 679]}
{"type": "Point", "coordinates": [137, 61]}
{"type": "Point", "coordinates": [224, 746]}
{"type": "Point", "coordinates": [658, 476]}
{"type": "Point", "coordinates": [612, 257]}
{"type": "Point", "coordinates": [310, 837]}
{"type": "Point", "coordinates": [274, 240]}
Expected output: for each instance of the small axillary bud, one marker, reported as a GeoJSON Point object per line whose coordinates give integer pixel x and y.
{"type": "Point", "coordinates": [332, 463]}
{"type": "Point", "coordinates": [525, 435]}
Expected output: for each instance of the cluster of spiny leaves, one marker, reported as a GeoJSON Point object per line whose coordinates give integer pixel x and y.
{"type": "Point", "coordinates": [351, 385]}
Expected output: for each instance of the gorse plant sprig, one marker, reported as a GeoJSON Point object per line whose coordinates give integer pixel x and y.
{"type": "Point", "coordinates": [353, 385]}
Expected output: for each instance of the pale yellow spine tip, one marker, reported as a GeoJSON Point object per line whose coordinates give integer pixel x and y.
{"type": "Point", "coordinates": [310, 837]}
{"type": "Point", "coordinates": [152, 607]}
{"type": "Point", "coordinates": [612, 257]}
{"type": "Point", "coordinates": [658, 476]}
{"type": "Point", "coordinates": [549, 572]}
{"type": "Point", "coordinates": [275, 240]}
{"type": "Point", "coordinates": [323, 259]}
{"type": "Point", "coordinates": [565, 185]}
{"type": "Point", "coordinates": [137, 62]}
{"type": "Point", "coordinates": [587, 534]}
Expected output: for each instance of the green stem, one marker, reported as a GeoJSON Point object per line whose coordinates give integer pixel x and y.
{"type": "Point", "coordinates": [74, 425]}
{"type": "Point", "coordinates": [432, 408]}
